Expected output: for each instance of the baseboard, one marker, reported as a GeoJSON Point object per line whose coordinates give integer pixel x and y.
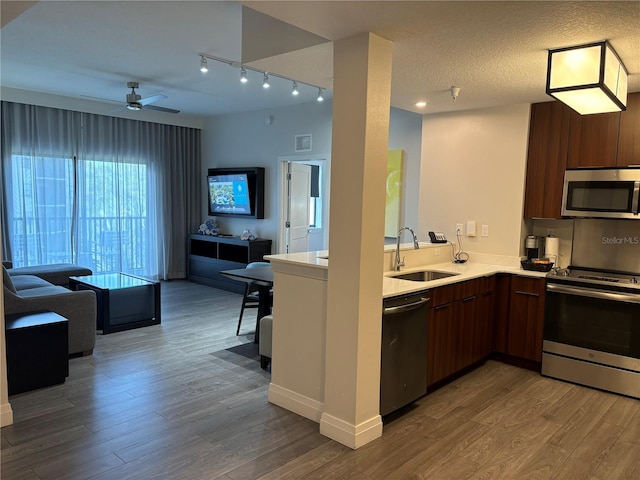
{"type": "Point", "coordinates": [6, 415]}
{"type": "Point", "coordinates": [296, 403]}
{"type": "Point", "coordinates": [353, 436]}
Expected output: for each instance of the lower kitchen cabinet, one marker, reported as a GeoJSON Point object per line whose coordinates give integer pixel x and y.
{"type": "Point", "coordinates": [526, 318]}
{"type": "Point", "coordinates": [459, 327]}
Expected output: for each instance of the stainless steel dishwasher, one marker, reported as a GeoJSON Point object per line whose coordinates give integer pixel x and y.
{"type": "Point", "coordinates": [403, 362]}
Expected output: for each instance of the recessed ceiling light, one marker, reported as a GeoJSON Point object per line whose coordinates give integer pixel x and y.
{"type": "Point", "coordinates": [421, 104]}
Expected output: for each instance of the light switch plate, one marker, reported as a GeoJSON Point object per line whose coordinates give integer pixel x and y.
{"type": "Point", "coordinates": [471, 228]}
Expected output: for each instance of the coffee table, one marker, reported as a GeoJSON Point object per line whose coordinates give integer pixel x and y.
{"type": "Point", "coordinates": [124, 301]}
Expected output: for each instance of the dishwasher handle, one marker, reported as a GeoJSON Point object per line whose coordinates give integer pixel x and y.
{"type": "Point", "coordinates": [405, 308]}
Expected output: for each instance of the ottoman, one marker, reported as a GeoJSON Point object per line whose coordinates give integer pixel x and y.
{"type": "Point", "coordinates": [37, 350]}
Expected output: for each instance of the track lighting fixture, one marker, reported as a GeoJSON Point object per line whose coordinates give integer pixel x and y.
{"type": "Point", "coordinates": [203, 64]}
{"type": "Point", "coordinates": [295, 91]}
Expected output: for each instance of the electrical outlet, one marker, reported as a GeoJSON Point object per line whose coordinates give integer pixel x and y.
{"type": "Point", "coordinates": [459, 229]}
{"type": "Point", "coordinates": [550, 232]}
{"type": "Point", "coordinates": [484, 230]}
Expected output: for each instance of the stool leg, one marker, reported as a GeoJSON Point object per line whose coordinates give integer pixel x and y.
{"type": "Point", "coordinates": [264, 362]}
{"type": "Point", "coordinates": [244, 298]}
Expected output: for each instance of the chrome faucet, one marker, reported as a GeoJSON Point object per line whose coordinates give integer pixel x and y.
{"type": "Point", "coordinates": [400, 263]}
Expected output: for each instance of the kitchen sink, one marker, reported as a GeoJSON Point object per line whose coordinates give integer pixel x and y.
{"type": "Point", "coordinates": [424, 275]}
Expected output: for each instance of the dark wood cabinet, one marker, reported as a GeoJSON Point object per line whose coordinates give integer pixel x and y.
{"type": "Point", "coordinates": [629, 143]}
{"type": "Point", "coordinates": [209, 255]}
{"type": "Point", "coordinates": [459, 327]}
{"type": "Point", "coordinates": [560, 138]}
{"type": "Point", "coordinates": [526, 318]}
{"type": "Point", "coordinates": [483, 346]}
{"type": "Point", "coordinates": [593, 140]}
{"type": "Point", "coordinates": [440, 342]}
{"type": "Point", "coordinates": [546, 159]}
{"type": "Point", "coordinates": [501, 312]}
{"type": "Point", "coordinates": [470, 320]}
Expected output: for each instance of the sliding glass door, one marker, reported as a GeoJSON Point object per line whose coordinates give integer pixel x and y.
{"type": "Point", "coordinates": [95, 213]}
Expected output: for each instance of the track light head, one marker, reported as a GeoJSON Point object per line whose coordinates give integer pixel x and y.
{"type": "Point", "coordinates": [320, 95]}
{"type": "Point", "coordinates": [203, 64]}
{"type": "Point", "coordinates": [243, 75]}
{"type": "Point", "coordinates": [294, 90]}
{"type": "Point", "coordinates": [265, 81]}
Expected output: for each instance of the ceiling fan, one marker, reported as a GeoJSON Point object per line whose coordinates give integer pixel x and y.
{"type": "Point", "coordinates": [136, 102]}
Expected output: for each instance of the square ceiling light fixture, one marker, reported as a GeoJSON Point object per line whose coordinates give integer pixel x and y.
{"type": "Point", "coordinates": [588, 78]}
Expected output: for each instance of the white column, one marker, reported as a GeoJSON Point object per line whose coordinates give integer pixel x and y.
{"type": "Point", "coordinates": [6, 413]}
{"type": "Point", "coordinates": [361, 104]}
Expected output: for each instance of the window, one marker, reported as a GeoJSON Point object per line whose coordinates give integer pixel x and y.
{"type": "Point", "coordinates": [109, 230]}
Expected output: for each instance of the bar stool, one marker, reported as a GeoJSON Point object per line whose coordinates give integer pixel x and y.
{"type": "Point", "coordinates": [250, 297]}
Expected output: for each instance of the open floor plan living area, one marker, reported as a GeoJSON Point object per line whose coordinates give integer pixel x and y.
{"type": "Point", "coordinates": [320, 240]}
{"type": "Point", "coordinates": [180, 401]}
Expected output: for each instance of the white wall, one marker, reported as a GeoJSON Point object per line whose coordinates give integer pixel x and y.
{"type": "Point", "coordinates": [473, 168]}
{"type": "Point", "coordinates": [6, 413]}
{"type": "Point", "coordinates": [244, 139]}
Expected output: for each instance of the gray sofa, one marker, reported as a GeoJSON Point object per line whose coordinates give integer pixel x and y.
{"type": "Point", "coordinates": [25, 293]}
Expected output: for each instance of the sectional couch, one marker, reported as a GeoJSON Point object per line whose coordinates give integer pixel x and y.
{"type": "Point", "coordinates": [32, 289]}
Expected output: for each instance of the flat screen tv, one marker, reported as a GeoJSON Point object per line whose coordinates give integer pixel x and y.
{"type": "Point", "coordinates": [236, 192]}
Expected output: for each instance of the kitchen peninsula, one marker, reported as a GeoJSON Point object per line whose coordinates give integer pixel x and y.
{"type": "Point", "coordinates": [300, 298]}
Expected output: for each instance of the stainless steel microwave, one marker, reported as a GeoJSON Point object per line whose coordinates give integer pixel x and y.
{"type": "Point", "coordinates": [601, 193]}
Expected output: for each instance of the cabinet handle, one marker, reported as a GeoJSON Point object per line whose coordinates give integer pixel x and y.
{"type": "Point", "coordinates": [440, 307]}
{"type": "Point", "coordinates": [531, 294]}
{"type": "Point", "coordinates": [467, 299]}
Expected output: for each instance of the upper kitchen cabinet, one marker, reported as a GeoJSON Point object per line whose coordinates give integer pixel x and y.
{"type": "Point", "coordinates": [559, 138]}
{"type": "Point", "coordinates": [629, 144]}
{"type": "Point", "coordinates": [593, 140]}
{"type": "Point", "coordinates": [546, 159]}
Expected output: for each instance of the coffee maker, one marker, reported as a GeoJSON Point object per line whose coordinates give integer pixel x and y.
{"type": "Point", "coordinates": [534, 247]}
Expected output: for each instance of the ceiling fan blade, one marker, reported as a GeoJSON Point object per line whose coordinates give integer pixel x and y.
{"type": "Point", "coordinates": [108, 100]}
{"type": "Point", "coordinates": [116, 110]}
{"type": "Point", "coordinates": [160, 109]}
{"type": "Point", "coordinates": [152, 98]}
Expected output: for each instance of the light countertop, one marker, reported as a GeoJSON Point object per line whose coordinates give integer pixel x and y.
{"type": "Point", "coordinates": [393, 286]}
{"type": "Point", "coordinates": [465, 271]}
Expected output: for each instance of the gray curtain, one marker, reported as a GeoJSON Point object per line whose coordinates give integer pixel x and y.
{"type": "Point", "coordinates": [94, 144]}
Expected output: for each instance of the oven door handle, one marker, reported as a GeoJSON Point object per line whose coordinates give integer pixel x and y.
{"type": "Point", "coordinates": [593, 293]}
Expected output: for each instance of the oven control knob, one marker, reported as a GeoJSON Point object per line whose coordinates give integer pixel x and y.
{"type": "Point", "coordinates": [633, 280]}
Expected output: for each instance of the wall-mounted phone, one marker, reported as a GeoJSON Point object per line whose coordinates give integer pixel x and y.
{"type": "Point", "coordinates": [437, 237]}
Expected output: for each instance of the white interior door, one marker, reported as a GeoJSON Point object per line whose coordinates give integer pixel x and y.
{"type": "Point", "coordinates": [299, 188]}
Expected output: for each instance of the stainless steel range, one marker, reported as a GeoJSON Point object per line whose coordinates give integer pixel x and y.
{"type": "Point", "coordinates": [592, 312]}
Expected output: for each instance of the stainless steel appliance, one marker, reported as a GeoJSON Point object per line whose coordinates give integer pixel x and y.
{"type": "Point", "coordinates": [592, 310]}
{"type": "Point", "coordinates": [602, 193]}
{"type": "Point", "coordinates": [403, 362]}
{"type": "Point", "coordinates": [534, 247]}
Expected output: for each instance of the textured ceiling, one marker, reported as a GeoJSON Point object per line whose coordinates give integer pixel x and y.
{"type": "Point", "coordinates": [496, 52]}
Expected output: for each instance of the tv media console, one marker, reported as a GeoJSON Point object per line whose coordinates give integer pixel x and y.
{"type": "Point", "coordinates": [209, 255]}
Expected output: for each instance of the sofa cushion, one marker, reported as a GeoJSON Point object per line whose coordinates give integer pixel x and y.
{"type": "Point", "coordinates": [26, 282]}
{"type": "Point", "coordinates": [6, 279]}
{"type": "Point", "coordinates": [56, 273]}
{"type": "Point", "coordinates": [41, 291]}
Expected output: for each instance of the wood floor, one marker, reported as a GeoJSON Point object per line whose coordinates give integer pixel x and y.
{"type": "Point", "coordinates": [169, 402]}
